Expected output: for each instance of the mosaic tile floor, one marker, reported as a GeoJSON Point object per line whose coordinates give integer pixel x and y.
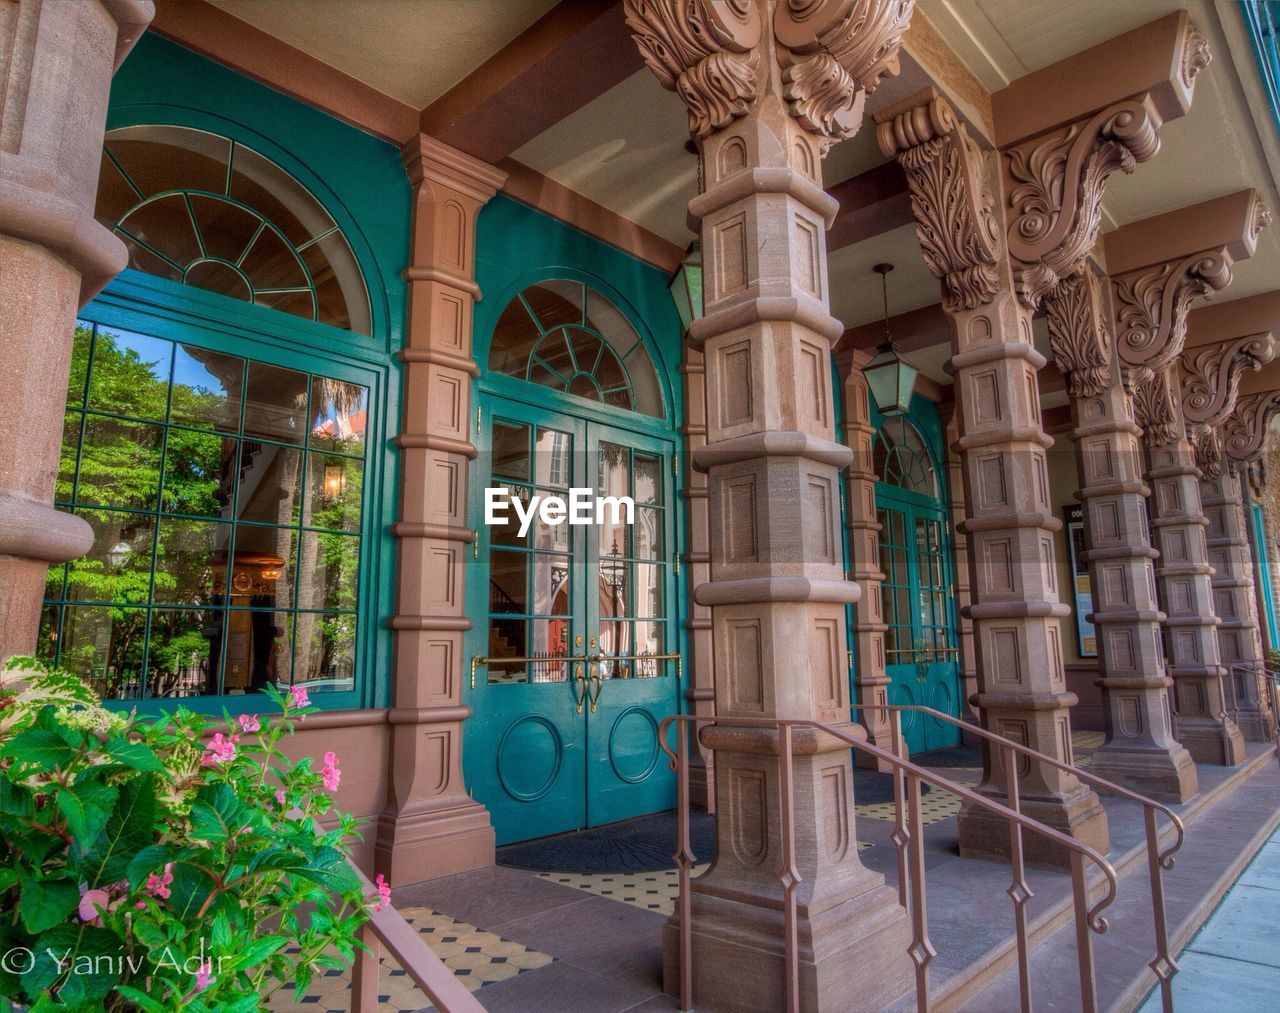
{"type": "Point", "coordinates": [477, 958]}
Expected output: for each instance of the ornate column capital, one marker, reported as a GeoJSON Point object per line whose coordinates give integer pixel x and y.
{"type": "Point", "coordinates": [1154, 406]}
{"type": "Point", "coordinates": [952, 205]}
{"type": "Point", "coordinates": [831, 54]}
{"type": "Point", "coordinates": [1206, 443]}
{"type": "Point", "coordinates": [1055, 187]}
{"type": "Point", "coordinates": [1211, 376]}
{"type": "Point", "coordinates": [1151, 305]}
{"type": "Point", "coordinates": [1079, 334]}
{"type": "Point", "coordinates": [1245, 429]}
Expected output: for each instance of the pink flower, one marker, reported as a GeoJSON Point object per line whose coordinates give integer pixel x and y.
{"type": "Point", "coordinates": [249, 723]}
{"type": "Point", "coordinates": [204, 976]}
{"type": "Point", "coordinates": [90, 902]}
{"type": "Point", "coordinates": [330, 772]}
{"type": "Point", "coordinates": [158, 886]}
{"type": "Point", "coordinates": [383, 894]}
{"type": "Point", "coordinates": [221, 749]}
{"type": "Point", "coordinates": [280, 795]}
{"type": "Point", "coordinates": [298, 697]}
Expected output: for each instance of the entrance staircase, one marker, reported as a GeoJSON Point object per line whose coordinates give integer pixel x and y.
{"type": "Point", "coordinates": [1100, 937]}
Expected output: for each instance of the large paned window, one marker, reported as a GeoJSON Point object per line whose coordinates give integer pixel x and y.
{"type": "Point", "coordinates": [900, 458]}
{"type": "Point", "coordinates": [225, 496]}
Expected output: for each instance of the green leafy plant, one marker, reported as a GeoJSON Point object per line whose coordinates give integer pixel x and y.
{"type": "Point", "coordinates": [143, 866]}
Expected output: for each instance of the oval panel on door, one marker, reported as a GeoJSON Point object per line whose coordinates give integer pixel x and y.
{"type": "Point", "coordinates": [633, 745]}
{"type": "Point", "coordinates": [941, 702]}
{"type": "Point", "coordinates": [529, 757]}
{"type": "Point", "coordinates": [902, 696]}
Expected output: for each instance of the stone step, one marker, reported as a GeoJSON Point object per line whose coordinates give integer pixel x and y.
{"type": "Point", "coordinates": [1226, 824]}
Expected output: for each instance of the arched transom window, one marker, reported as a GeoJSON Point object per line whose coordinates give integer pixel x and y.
{"type": "Point", "coordinates": [901, 458]}
{"type": "Point", "coordinates": [566, 336]}
{"type": "Point", "coordinates": [204, 210]}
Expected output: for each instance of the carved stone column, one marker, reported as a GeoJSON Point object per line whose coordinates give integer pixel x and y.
{"type": "Point", "coordinates": [697, 559]}
{"type": "Point", "coordinates": [1139, 751]}
{"type": "Point", "coordinates": [1239, 639]}
{"type": "Point", "coordinates": [869, 626]}
{"type": "Point", "coordinates": [768, 92]}
{"type": "Point", "coordinates": [1022, 692]}
{"type": "Point", "coordinates": [968, 651]}
{"type": "Point", "coordinates": [59, 58]}
{"type": "Point", "coordinates": [430, 826]}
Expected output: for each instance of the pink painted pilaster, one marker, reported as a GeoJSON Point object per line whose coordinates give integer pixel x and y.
{"type": "Point", "coordinates": [430, 826]}
{"type": "Point", "coordinates": [57, 67]}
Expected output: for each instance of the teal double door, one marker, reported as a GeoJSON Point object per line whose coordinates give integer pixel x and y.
{"type": "Point", "coordinates": [919, 608]}
{"type": "Point", "coordinates": [573, 649]}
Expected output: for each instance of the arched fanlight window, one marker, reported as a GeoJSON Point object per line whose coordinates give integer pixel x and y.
{"type": "Point", "coordinates": [207, 211]}
{"type": "Point", "coordinates": [566, 336]}
{"type": "Point", "coordinates": [900, 457]}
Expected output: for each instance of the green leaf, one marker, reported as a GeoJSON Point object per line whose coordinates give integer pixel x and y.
{"type": "Point", "coordinates": [7, 878]}
{"type": "Point", "coordinates": [87, 807]}
{"type": "Point", "coordinates": [140, 999]}
{"type": "Point", "coordinates": [217, 814]}
{"type": "Point", "coordinates": [149, 934]}
{"type": "Point", "coordinates": [44, 903]}
{"type": "Point", "coordinates": [136, 755]}
{"type": "Point", "coordinates": [189, 890]}
{"type": "Point", "coordinates": [129, 830]}
{"type": "Point", "coordinates": [329, 868]}
{"type": "Point", "coordinates": [258, 951]}
{"type": "Point", "coordinates": [37, 751]}
{"type": "Point", "coordinates": [70, 954]}
{"type": "Point", "coordinates": [148, 860]}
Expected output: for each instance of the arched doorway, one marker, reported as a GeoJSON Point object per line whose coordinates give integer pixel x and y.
{"type": "Point", "coordinates": [917, 595]}
{"type": "Point", "coordinates": [575, 640]}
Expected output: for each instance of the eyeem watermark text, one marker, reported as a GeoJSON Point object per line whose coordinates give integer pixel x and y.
{"type": "Point", "coordinates": [582, 507]}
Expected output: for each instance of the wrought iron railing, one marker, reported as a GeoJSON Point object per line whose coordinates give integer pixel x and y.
{"type": "Point", "coordinates": [908, 839]}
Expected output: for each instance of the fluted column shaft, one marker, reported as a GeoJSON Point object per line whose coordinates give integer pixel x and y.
{"type": "Point", "coordinates": [1184, 575]}
{"type": "Point", "coordinates": [1139, 751]}
{"type": "Point", "coordinates": [1238, 639]}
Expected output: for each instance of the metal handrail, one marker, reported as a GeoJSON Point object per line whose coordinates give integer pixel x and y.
{"type": "Point", "coordinates": [1158, 862]}
{"type": "Point", "coordinates": [908, 838]}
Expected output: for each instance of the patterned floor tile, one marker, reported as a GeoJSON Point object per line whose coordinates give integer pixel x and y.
{"type": "Point", "coordinates": [477, 958]}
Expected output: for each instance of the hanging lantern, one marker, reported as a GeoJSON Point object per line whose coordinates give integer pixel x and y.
{"type": "Point", "coordinates": [890, 377]}
{"type": "Point", "coordinates": [686, 285]}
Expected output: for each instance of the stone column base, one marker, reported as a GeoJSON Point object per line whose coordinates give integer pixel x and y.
{"type": "Point", "coordinates": [433, 841]}
{"type": "Point", "coordinates": [1203, 738]}
{"type": "Point", "coordinates": [984, 834]}
{"type": "Point", "coordinates": [1253, 726]}
{"type": "Point", "coordinates": [739, 953]}
{"type": "Point", "coordinates": [1163, 774]}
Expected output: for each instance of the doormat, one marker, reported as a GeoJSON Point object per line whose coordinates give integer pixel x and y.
{"type": "Point", "coordinates": [640, 845]}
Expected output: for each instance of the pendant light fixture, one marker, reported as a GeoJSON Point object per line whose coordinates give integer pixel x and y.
{"type": "Point", "coordinates": [686, 283]}
{"type": "Point", "coordinates": [890, 377]}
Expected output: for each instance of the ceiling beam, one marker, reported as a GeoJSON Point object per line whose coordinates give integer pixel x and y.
{"type": "Point", "coordinates": [572, 54]}
{"type": "Point", "coordinates": [913, 330]}
{"type": "Point", "coordinates": [871, 203]}
{"type": "Point", "coordinates": [1229, 222]}
{"type": "Point", "coordinates": [1222, 321]}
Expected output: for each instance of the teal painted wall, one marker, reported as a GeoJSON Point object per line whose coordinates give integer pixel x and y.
{"type": "Point", "coordinates": [361, 181]}
{"type": "Point", "coordinates": [517, 245]}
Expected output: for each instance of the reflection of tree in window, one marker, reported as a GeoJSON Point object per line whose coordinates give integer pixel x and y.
{"type": "Point", "coordinates": [210, 497]}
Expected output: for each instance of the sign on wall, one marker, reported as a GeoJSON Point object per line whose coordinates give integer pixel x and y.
{"type": "Point", "coordinates": [1086, 637]}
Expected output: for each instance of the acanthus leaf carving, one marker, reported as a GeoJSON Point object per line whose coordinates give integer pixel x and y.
{"type": "Point", "coordinates": [1211, 376]}
{"type": "Point", "coordinates": [952, 207]}
{"type": "Point", "coordinates": [833, 54]}
{"type": "Point", "coordinates": [1208, 451]}
{"type": "Point", "coordinates": [1195, 55]}
{"type": "Point", "coordinates": [703, 51]}
{"type": "Point", "coordinates": [1078, 333]}
{"type": "Point", "coordinates": [1152, 305]}
{"type": "Point", "coordinates": [1154, 409]}
{"type": "Point", "coordinates": [1056, 201]}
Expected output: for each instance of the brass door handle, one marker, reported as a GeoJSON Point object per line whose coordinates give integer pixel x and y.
{"type": "Point", "coordinates": [599, 686]}
{"type": "Point", "coordinates": [581, 680]}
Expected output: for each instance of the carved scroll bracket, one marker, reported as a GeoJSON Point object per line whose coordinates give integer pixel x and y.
{"type": "Point", "coordinates": [1079, 334]}
{"type": "Point", "coordinates": [1151, 305]}
{"type": "Point", "coordinates": [1211, 376]}
{"type": "Point", "coordinates": [1245, 429]}
{"type": "Point", "coordinates": [952, 206]}
{"type": "Point", "coordinates": [1207, 444]}
{"type": "Point", "coordinates": [1056, 185]}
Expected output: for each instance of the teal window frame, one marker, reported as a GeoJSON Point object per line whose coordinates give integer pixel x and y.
{"type": "Point", "coordinates": [157, 307]}
{"type": "Point", "coordinates": [1262, 567]}
{"type": "Point", "coordinates": [1262, 22]}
